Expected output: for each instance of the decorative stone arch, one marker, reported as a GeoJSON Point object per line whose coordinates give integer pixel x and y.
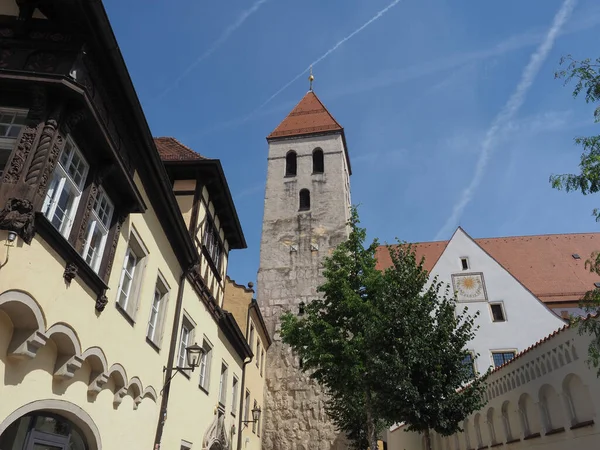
{"type": "Point", "coordinates": [150, 392]}
{"type": "Point", "coordinates": [95, 357]}
{"type": "Point", "coordinates": [509, 421]}
{"type": "Point", "coordinates": [68, 350]}
{"type": "Point", "coordinates": [530, 418]}
{"type": "Point", "coordinates": [65, 409]}
{"type": "Point", "coordinates": [491, 423]}
{"type": "Point", "coordinates": [135, 389]}
{"type": "Point", "coordinates": [477, 426]}
{"type": "Point", "coordinates": [28, 322]}
{"type": "Point", "coordinates": [551, 408]}
{"type": "Point", "coordinates": [216, 436]}
{"type": "Point", "coordinates": [578, 400]}
{"type": "Point", "coordinates": [467, 433]}
{"type": "Point", "coordinates": [118, 374]}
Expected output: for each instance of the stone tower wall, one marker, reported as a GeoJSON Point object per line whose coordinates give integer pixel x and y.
{"type": "Point", "coordinates": [293, 245]}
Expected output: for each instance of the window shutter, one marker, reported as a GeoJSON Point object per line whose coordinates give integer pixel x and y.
{"type": "Point", "coordinates": [134, 301]}
{"type": "Point", "coordinates": [162, 316]}
{"type": "Point", "coordinates": [208, 368]}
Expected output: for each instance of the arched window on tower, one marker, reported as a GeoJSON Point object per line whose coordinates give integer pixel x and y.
{"type": "Point", "coordinates": [304, 200]}
{"type": "Point", "coordinates": [291, 164]}
{"type": "Point", "coordinates": [318, 161]}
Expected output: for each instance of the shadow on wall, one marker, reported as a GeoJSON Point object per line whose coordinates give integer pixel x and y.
{"type": "Point", "coordinates": [29, 349]}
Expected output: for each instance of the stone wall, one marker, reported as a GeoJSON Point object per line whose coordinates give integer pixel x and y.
{"type": "Point", "coordinates": [293, 246]}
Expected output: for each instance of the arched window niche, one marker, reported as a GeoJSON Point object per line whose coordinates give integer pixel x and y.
{"type": "Point", "coordinates": [318, 161]}
{"type": "Point", "coordinates": [291, 164]}
{"type": "Point", "coordinates": [304, 200]}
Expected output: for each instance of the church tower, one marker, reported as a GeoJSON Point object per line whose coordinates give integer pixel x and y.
{"type": "Point", "coordinates": [306, 210]}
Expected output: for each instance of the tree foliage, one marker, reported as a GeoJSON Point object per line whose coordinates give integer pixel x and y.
{"type": "Point", "coordinates": [586, 75]}
{"type": "Point", "coordinates": [387, 347]}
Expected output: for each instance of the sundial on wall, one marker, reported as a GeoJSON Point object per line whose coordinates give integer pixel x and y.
{"type": "Point", "coordinates": [469, 287]}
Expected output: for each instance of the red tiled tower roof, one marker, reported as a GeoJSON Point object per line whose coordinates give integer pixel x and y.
{"type": "Point", "coordinates": [170, 149]}
{"type": "Point", "coordinates": [544, 264]}
{"type": "Point", "coordinates": [309, 116]}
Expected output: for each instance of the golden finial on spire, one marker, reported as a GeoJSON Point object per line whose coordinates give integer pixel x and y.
{"type": "Point", "coordinates": [311, 78]}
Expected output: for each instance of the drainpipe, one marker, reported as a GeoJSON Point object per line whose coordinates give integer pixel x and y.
{"type": "Point", "coordinates": [243, 387]}
{"type": "Point", "coordinates": [162, 418]}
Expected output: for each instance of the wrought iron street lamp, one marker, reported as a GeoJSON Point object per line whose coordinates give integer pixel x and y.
{"type": "Point", "coordinates": [193, 353]}
{"type": "Point", "coordinates": [255, 416]}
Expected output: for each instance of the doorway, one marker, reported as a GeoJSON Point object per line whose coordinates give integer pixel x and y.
{"type": "Point", "coordinates": [42, 431]}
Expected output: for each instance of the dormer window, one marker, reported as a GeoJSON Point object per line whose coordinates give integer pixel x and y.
{"type": "Point", "coordinates": [318, 161]}
{"type": "Point", "coordinates": [291, 164]}
{"type": "Point", "coordinates": [464, 263]}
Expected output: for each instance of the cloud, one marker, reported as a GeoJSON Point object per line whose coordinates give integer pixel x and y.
{"type": "Point", "coordinates": [250, 191]}
{"type": "Point", "coordinates": [507, 114]}
{"type": "Point", "coordinates": [327, 53]}
{"type": "Point", "coordinates": [396, 76]}
{"type": "Point", "coordinates": [214, 46]}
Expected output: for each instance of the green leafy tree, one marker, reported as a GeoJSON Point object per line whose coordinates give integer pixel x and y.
{"type": "Point", "coordinates": [433, 389]}
{"type": "Point", "coordinates": [586, 75]}
{"type": "Point", "coordinates": [385, 346]}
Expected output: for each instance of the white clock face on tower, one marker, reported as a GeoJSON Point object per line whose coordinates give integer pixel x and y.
{"type": "Point", "coordinates": [469, 287]}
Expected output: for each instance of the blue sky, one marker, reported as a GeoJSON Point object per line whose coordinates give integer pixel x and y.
{"type": "Point", "coordinates": [435, 96]}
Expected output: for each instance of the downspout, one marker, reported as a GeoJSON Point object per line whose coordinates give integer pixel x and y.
{"type": "Point", "coordinates": [243, 388]}
{"type": "Point", "coordinates": [162, 418]}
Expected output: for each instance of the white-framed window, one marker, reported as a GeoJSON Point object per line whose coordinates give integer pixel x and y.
{"type": "Point", "coordinates": [234, 395]}
{"type": "Point", "coordinates": [247, 405]}
{"type": "Point", "coordinates": [11, 122]}
{"type": "Point", "coordinates": [254, 423]}
{"type": "Point", "coordinates": [497, 312]}
{"type": "Point", "coordinates": [464, 263]}
{"type": "Point", "coordinates": [186, 338]}
{"type": "Point", "coordinates": [205, 363]}
{"type": "Point", "coordinates": [158, 312]}
{"type": "Point", "coordinates": [97, 230]}
{"type": "Point", "coordinates": [64, 190]}
{"type": "Point", "coordinates": [258, 353]}
{"type": "Point", "coordinates": [132, 272]}
{"type": "Point", "coordinates": [185, 445]}
{"type": "Point", "coordinates": [223, 384]}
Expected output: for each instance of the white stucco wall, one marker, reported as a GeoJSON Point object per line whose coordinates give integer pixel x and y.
{"type": "Point", "coordinates": [527, 318]}
{"type": "Point", "coordinates": [553, 377]}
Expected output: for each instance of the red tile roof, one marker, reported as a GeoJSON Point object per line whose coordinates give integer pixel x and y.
{"type": "Point", "coordinates": [170, 149]}
{"type": "Point", "coordinates": [308, 117]}
{"type": "Point", "coordinates": [543, 264]}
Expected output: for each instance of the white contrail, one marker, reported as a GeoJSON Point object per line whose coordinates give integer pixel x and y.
{"type": "Point", "coordinates": [507, 114]}
{"type": "Point", "coordinates": [327, 53]}
{"type": "Point", "coordinates": [216, 44]}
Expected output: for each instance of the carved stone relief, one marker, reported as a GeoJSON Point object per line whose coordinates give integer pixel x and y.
{"type": "Point", "coordinates": [101, 302]}
{"type": "Point", "coordinates": [70, 272]}
{"type": "Point", "coordinates": [17, 162]}
{"type": "Point", "coordinates": [18, 216]}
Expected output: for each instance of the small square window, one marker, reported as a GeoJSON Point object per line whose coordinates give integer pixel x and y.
{"type": "Point", "coordinates": [501, 358]}
{"type": "Point", "coordinates": [464, 263]}
{"type": "Point", "coordinates": [497, 312]}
